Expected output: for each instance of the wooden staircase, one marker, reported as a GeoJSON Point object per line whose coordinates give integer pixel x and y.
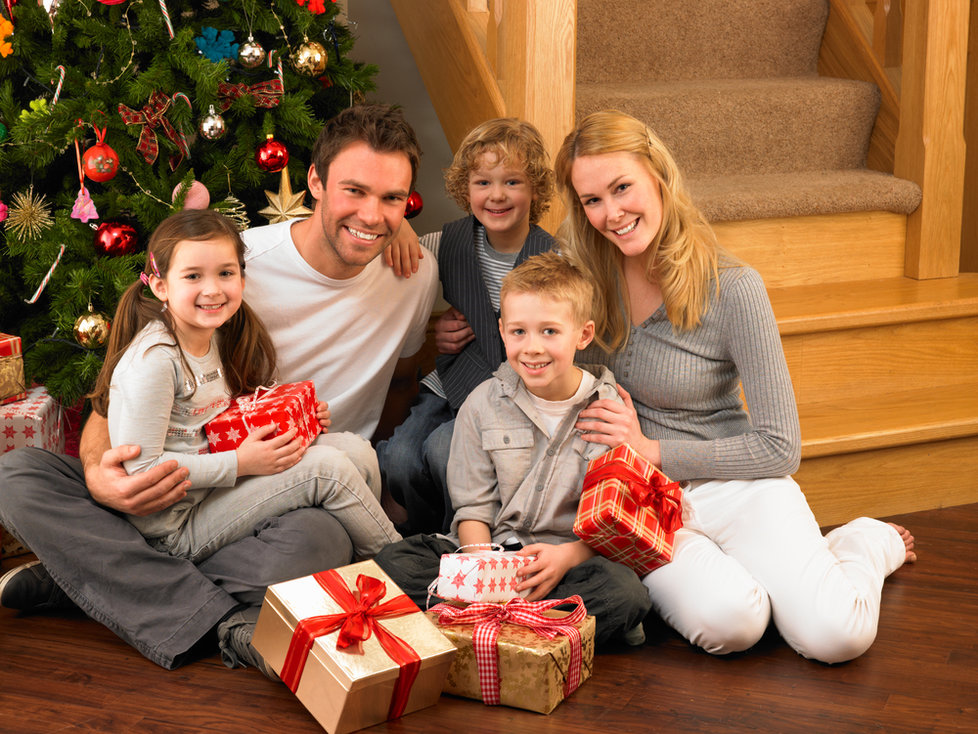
{"type": "Point", "coordinates": [884, 366]}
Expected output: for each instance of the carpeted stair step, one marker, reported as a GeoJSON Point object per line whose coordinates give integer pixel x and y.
{"type": "Point", "coordinates": [697, 39]}
{"type": "Point", "coordinates": [806, 193]}
{"type": "Point", "coordinates": [724, 127]}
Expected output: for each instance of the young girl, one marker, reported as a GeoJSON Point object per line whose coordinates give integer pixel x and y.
{"type": "Point", "coordinates": [683, 327]}
{"type": "Point", "coordinates": [183, 344]}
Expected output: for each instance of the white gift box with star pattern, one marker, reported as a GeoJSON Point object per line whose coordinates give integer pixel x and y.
{"type": "Point", "coordinates": [35, 420]}
{"type": "Point", "coordinates": [488, 576]}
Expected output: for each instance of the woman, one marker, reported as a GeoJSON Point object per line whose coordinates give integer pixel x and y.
{"type": "Point", "coordinates": [683, 326]}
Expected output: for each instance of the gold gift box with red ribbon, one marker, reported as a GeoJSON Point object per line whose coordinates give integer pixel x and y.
{"type": "Point", "coordinates": [629, 510]}
{"type": "Point", "coordinates": [12, 385]}
{"type": "Point", "coordinates": [352, 647]}
{"type": "Point", "coordinates": [287, 406]}
{"type": "Point", "coordinates": [522, 654]}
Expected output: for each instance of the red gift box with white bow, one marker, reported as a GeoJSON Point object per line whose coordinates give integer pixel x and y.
{"type": "Point", "coordinates": [287, 406]}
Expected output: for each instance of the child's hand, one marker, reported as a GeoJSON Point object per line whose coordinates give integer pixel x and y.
{"type": "Point", "coordinates": [452, 332]}
{"type": "Point", "coordinates": [322, 415]}
{"type": "Point", "coordinates": [258, 455]}
{"type": "Point", "coordinates": [551, 565]}
{"type": "Point", "coordinates": [404, 252]}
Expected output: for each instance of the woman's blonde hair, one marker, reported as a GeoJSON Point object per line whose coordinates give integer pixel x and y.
{"type": "Point", "coordinates": [513, 141]}
{"type": "Point", "coordinates": [682, 257]}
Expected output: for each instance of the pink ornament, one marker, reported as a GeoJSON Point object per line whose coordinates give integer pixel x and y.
{"type": "Point", "coordinates": [3, 211]}
{"type": "Point", "coordinates": [84, 208]}
{"type": "Point", "coordinates": [198, 197]}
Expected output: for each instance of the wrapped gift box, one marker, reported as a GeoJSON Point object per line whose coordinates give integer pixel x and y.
{"type": "Point", "coordinates": [487, 576]}
{"type": "Point", "coordinates": [12, 385]}
{"type": "Point", "coordinates": [533, 671]}
{"type": "Point", "coordinates": [35, 420]}
{"type": "Point", "coordinates": [287, 406]}
{"type": "Point", "coordinates": [629, 510]}
{"type": "Point", "coordinates": [345, 689]}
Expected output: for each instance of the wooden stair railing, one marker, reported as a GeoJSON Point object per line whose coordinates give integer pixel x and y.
{"type": "Point", "coordinates": [481, 59]}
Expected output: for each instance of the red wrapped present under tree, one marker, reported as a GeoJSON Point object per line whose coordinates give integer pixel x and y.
{"type": "Point", "coordinates": [629, 510]}
{"type": "Point", "coordinates": [287, 406]}
{"type": "Point", "coordinates": [11, 370]}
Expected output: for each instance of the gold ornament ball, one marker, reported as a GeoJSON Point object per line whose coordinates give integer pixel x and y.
{"type": "Point", "coordinates": [251, 53]}
{"type": "Point", "coordinates": [310, 59]}
{"type": "Point", "coordinates": [91, 329]}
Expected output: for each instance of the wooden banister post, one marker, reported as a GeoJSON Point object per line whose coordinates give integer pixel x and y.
{"type": "Point", "coordinates": [930, 147]}
{"type": "Point", "coordinates": [533, 44]}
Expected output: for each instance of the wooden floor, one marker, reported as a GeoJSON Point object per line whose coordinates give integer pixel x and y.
{"type": "Point", "coordinates": [60, 674]}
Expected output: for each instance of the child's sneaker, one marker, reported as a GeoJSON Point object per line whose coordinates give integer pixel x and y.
{"type": "Point", "coordinates": [635, 636]}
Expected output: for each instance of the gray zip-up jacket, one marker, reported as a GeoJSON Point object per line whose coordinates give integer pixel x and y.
{"type": "Point", "coordinates": [503, 469]}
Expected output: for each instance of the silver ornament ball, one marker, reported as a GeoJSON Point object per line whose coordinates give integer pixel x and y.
{"type": "Point", "coordinates": [212, 125]}
{"type": "Point", "coordinates": [251, 53]}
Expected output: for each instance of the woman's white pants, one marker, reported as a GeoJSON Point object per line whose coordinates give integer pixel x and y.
{"type": "Point", "coordinates": [750, 549]}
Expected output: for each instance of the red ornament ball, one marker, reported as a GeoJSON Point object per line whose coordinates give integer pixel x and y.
{"type": "Point", "coordinates": [115, 238]}
{"type": "Point", "coordinates": [272, 156]}
{"type": "Point", "coordinates": [100, 163]}
{"type": "Point", "coordinates": [414, 205]}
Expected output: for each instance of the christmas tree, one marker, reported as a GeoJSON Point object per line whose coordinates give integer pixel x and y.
{"type": "Point", "coordinates": [114, 114]}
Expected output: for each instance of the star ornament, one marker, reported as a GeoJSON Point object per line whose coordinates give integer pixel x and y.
{"type": "Point", "coordinates": [29, 215]}
{"type": "Point", "coordinates": [285, 205]}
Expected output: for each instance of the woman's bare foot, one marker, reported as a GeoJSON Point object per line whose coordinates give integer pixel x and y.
{"type": "Point", "coordinates": [907, 541]}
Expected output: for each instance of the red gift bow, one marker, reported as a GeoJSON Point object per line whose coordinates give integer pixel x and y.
{"type": "Point", "coordinates": [266, 94]}
{"type": "Point", "coordinates": [488, 618]}
{"type": "Point", "coordinates": [150, 117]}
{"type": "Point", "coordinates": [650, 492]}
{"type": "Point", "coordinates": [356, 623]}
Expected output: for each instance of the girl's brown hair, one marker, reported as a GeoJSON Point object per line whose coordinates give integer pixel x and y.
{"type": "Point", "coordinates": [246, 350]}
{"type": "Point", "coordinates": [683, 257]}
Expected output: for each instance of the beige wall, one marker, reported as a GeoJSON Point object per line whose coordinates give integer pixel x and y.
{"type": "Point", "coordinates": [379, 41]}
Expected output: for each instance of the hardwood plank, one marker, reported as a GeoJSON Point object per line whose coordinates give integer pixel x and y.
{"type": "Point", "coordinates": [889, 419]}
{"type": "Point", "coordinates": [890, 481]}
{"type": "Point", "coordinates": [849, 364]}
{"type": "Point", "coordinates": [67, 673]}
{"type": "Point", "coordinates": [844, 305]}
{"type": "Point", "coordinates": [833, 248]}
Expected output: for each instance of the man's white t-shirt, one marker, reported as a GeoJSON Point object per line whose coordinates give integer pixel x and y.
{"type": "Point", "coordinates": [344, 335]}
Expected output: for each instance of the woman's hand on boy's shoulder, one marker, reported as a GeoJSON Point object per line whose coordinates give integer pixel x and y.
{"type": "Point", "coordinates": [452, 332]}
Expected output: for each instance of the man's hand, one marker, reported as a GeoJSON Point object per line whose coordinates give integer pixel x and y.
{"type": "Point", "coordinates": [139, 494]}
{"type": "Point", "coordinates": [452, 332]}
{"type": "Point", "coordinates": [323, 416]}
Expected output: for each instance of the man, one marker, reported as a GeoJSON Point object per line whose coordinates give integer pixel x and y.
{"type": "Point", "coordinates": [338, 317]}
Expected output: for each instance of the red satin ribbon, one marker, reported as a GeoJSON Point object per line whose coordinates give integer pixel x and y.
{"type": "Point", "coordinates": [265, 94]}
{"type": "Point", "coordinates": [488, 619]}
{"type": "Point", "coordinates": [653, 492]}
{"type": "Point", "coordinates": [356, 623]}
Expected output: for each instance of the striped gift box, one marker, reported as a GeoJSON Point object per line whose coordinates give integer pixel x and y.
{"type": "Point", "coordinates": [629, 510]}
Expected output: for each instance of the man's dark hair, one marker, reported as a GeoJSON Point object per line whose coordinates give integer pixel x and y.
{"type": "Point", "coordinates": [382, 127]}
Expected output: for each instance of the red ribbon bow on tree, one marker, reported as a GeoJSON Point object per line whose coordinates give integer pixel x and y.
{"type": "Point", "coordinates": [265, 94]}
{"type": "Point", "coordinates": [150, 117]}
{"type": "Point", "coordinates": [655, 492]}
{"type": "Point", "coordinates": [356, 623]}
{"type": "Point", "coordinates": [488, 619]}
